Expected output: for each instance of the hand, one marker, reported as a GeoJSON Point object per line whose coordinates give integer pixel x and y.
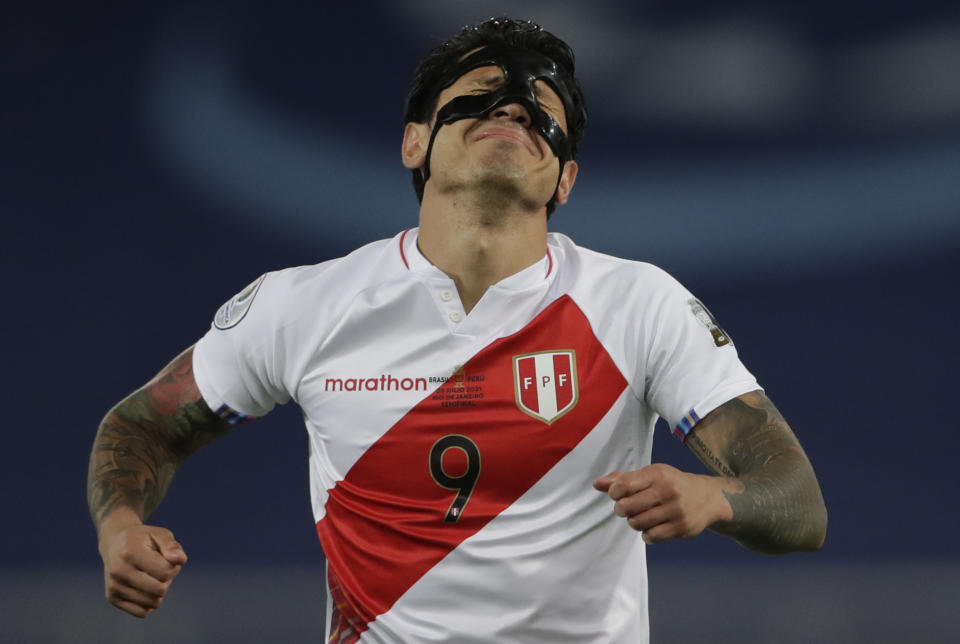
{"type": "Point", "coordinates": [664, 503]}
{"type": "Point", "coordinates": [139, 564]}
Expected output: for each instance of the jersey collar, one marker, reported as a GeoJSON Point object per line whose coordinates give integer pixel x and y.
{"type": "Point", "coordinates": [531, 276]}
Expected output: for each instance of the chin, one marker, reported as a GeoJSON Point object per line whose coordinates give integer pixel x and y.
{"type": "Point", "coordinates": [500, 191]}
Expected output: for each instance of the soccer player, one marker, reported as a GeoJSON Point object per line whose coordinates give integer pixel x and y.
{"type": "Point", "coordinates": [479, 394]}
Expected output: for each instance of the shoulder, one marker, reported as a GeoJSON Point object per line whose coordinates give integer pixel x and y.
{"type": "Point", "coordinates": [592, 271]}
{"type": "Point", "coordinates": [282, 296]}
{"type": "Point", "coordinates": [366, 266]}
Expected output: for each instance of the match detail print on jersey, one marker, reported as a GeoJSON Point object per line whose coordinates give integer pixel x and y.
{"type": "Point", "coordinates": [393, 518]}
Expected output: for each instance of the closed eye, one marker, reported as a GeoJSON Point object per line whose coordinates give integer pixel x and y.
{"type": "Point", "coordinates": [547, 101]}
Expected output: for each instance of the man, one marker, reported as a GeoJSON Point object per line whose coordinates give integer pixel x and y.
{"type": "Point", "coordinates": [479, 395]}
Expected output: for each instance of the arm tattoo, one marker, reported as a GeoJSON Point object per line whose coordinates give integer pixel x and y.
{"type": "Point", "coordinates": [772, 489]}
{"type": "Point", "coordinates": [143, 440]}
{"type": "Point", "coordinates": [707, 456]}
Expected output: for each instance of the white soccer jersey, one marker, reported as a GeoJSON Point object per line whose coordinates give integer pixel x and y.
{"type": "Point", "coordinates": [452, 455]}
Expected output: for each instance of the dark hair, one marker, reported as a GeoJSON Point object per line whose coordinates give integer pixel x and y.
{"type": "Point", "coordinates": [424, 88]}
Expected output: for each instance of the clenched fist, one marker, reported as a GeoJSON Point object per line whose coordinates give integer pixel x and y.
{"type": "Point", "coordinates": [664, 503]}
{"type": "Point", "coordinates": [139, 563]}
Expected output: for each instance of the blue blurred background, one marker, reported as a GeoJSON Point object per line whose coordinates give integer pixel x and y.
{"type": "Point", "coordinates": [796, 165]}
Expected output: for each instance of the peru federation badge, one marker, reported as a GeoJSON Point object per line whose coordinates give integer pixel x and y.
{"type": "Point", "coordinates": [545, 383]}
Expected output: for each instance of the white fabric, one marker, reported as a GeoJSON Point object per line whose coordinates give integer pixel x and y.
{"type": "Point", "coordinates": [556, 565]}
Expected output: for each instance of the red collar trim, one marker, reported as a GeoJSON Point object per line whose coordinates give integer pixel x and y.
{"type": "Point", "coordinates": [403, 255]}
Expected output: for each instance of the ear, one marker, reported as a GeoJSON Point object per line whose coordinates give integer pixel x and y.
{"type": "Point", "coordinates": [567, 178]}
{"type": "Point", "coordinates": [416, 138]}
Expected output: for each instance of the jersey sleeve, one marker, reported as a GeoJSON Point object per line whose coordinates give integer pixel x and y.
{"type": "Point", "coordinates": [692, 364]}
{"type": "Point", "coordinates": [239, 363]}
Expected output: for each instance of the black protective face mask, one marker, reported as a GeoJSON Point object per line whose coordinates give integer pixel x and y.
{"type": "Point", "coordinates": [521, 69]}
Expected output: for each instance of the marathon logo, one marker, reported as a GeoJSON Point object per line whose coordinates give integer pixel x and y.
{"type": "Point", "coordinates": [545, 383]}
{"type": "Point", "coordinates": [385, 382]}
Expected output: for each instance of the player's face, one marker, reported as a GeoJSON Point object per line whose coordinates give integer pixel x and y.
{"type": "Point", "coordinates": [501, 151]}
{"type": "Point", "coordinates": [508, 128]}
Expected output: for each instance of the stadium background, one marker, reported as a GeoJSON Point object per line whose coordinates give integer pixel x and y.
{"type": "Point", "coordinates": [796, 165]}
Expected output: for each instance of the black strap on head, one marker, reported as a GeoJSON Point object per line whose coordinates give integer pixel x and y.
{"type": "Point", "coordinates": [521, 69]}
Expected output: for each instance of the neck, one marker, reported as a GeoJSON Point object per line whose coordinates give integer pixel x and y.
{"type": "Point", "coordinates": [479, 246]}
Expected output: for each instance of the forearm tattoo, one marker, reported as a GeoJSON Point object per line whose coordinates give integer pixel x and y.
{"type": "Point", "coordinates": [143, 440]}
{"type": "Point", "coordinates": [707, 456]}
{"type": "Point", "coordinates": [773, 492]}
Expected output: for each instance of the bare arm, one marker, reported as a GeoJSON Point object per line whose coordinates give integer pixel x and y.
{"type": "Point", "coordinates": [136, 452]}
{"type": "Point", "coordinates": [768, 481]}
{"type": "Point", "coordinates": [766, 495]}
{"type": "Point", "coordinates": [144, 438]}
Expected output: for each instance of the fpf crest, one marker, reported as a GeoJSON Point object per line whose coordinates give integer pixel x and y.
{"type": "Point", "coordinates": [545, 383]}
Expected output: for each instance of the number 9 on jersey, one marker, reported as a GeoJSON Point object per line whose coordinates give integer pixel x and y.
{"type": "Point", "coordinates": [464, 483]}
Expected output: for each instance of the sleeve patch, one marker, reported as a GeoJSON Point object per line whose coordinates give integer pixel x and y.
{"type": "Point", "coordinates": [686, 424]}
{"type": "Point", "coordinates": [703, 314]}
{"type": "Point", "coordinates": [232, 312]}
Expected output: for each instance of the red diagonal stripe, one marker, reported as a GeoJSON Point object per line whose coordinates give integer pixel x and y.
{"type": "Point", "coordinates": [384, 525]}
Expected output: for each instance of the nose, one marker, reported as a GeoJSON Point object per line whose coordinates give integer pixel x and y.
{"type": "Point", "coordinates": [511, 112]}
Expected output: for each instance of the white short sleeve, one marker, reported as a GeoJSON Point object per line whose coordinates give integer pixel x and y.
{"type": "Point", "coordinates": [238, 363]}
{"type": "Point", "coordinates": [692, 365]}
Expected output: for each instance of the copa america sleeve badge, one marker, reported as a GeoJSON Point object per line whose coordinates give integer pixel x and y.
{"type": "Point", "coordinates": [703, 314]}
{"type": "Point", "coordinates": [230, 314]}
